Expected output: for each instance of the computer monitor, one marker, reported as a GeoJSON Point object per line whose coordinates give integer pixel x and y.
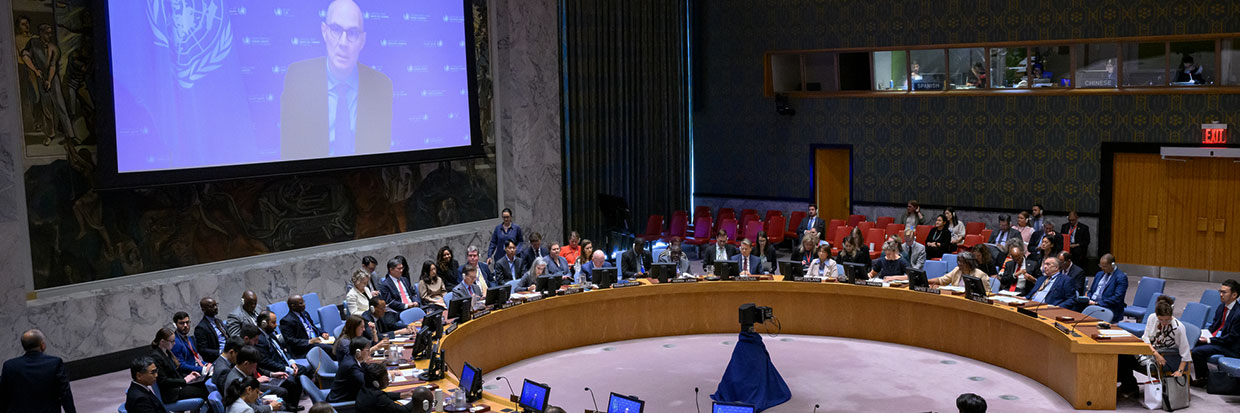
{"type": "Point", "coordinates": [917, 278]}
{"type": "Point", "coordinates": [663, 271]}
{"type": "Point", "coordinates": [547, 283]}
{"type": "Point", "coordinates": [854, 272]}
{"type": "Point", "coordinates": [434, 321]}
{"type": "Point", "coordinates": [974, 287]}
{"type": "Point", "coordinates": [604, 277]}
{"type": "Point", "coordinates": [727, 270]}
{"type": "Point", "coordinates": [471, 382]}
{"type": "Point", "coordinates": [459, 308]}
{"type": "Point", "coordinates": [423, 340]}
{"type": "Point", "coordinates": [722, 407]}
{"type": "Point", "coordinates": [497, 296]}
{"type": "Point", "coordinates": [791, 269]}
{"type": "Point", "coordinates": [624, 404]}
{"type": "Point", "coordinates": [534, 396]}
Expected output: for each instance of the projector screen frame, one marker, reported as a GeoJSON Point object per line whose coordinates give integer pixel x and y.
{"type": "Point", "coordinates": [109, 177]}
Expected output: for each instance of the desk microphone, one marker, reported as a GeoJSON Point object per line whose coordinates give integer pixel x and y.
{"type": "Point", "coordinates": [1084, 316]}
{"type": "Point", "coordinates": [512, 395]}
{"type": "Point", "coordinates": [815, 408]}
{"type": "Point", "coordinates": [695, 400]}
{"type": "Point", "coordinates": [593, 399]}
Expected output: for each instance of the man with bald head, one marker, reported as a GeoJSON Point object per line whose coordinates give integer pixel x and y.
{"type": "Point", "coordinates": [299, 330]}
{"type": "Point", "coordinates": [35, 382]}
{"type": "Point", "coordinates": [246, 313]}
{"type": "Point", "coordinates": [598, 260]}
{"type": "Point", "coordinates": [333, 105]}
{"type": "Point", "coordinates": [210, 334]}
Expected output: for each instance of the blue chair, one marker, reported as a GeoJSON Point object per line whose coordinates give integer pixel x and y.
{"type": "Point", "coordinates": [279, 308]}
{"type": "Point", "coordinates": [994, 284]}
{"type": "Point", "coordinates": [312, 301]}
{"type": "Point", "coordinates": [1212, 299]}
{"type": "Point", "coordinates": [447, 298]}
{"type": "Point", "coordinates": [323, 365]}
{"type": "Point", "coordinates": [1138, 328]}
{"type": "Point", "coordinates": [1192, 334]}
{"type": "Point", "coordinates": [935, 269]}
{"type": "Point", "coordinates": [1230, 365]}
{"type": "Point", "coordinates": [950, 260]}
{"type": "Point", "coordinates": [512, 286]}
{"type": "Point", "coordinates": [329, 318]}
{"type": "Point", "coordinates": [179, 406]}
{"type": "Point", "coordinates": [216, 402]}
{"type": "Point", "coordinates": [411, 315]}
{"type": "Point", "coordinates": [336, 331]}
{"type": "Point", "coordinates": [1098, 312]}
{"type": "Point", "coordinates": [211, 385]}
{"type": "Point", "coordinates": [318, 395]}
{"type": "Point", "coordinates": [1196, 314]}
{"type": "Point", "coordinates": [1146, 289]}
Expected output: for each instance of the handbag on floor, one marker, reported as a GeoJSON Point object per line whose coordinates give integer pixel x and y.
{"type": "Point", "coordinates": [1153, 390]}
{"type": "Point", "coordinates": [1175, 393]}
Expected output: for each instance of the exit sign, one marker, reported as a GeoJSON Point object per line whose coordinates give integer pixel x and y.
{"type": "Point", "coordinates": [1214, 133]}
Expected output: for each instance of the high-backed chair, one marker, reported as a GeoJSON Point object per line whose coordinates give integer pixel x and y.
{"type": "Point", "coordinates": [676, 228]}
{"type": "Point", "coordinates": [280, 308]}
{"type": "Point", "coordinates": [1098, 312]}
{"type": "Point", "coordinates": [882, 222]}
{"type": "Point", "coordinates": [1211, 299]}
{"type": "Point", "coordinates": [950, 260]}
{"type": "Point", "coordinates": [794, 222]}
{"type": "Point", "coordinates": [875, 237]}
{"type": "Point", "coordinates": [323, 365]}
{"type": "Point", "coordinates": [1138, 328]}
{"type": "Point", "coordinates": [922, 232]}
{"type": "Point", "coordinates": [329, 316]}
{"type": "Point", "coordinates": [319, 395]}
{"type": "Point", "coordinates": [894, 230]}
{"type": "Point", "coordinates": [411, 315]}
{"type": "Point", "coordinates": [865, 226]}
{"type": "Point", "coordinates": [935, 269]}
{"type": "Point", "coordinates": [974, 228]}
{"type": "Point", "coordinates": [855, 219]}
{"type": "Point", "coordinates": [654, 227]}
{"type": "Point", "coordinates": [1196, 313]}
{"type": "Point", "coordinates": [1146, 288]}
{"type": "Point", "coordinates": [775, 229]}
{"type": "Point", "coordinates": [728, 225]}
{"type": "Point", "coordinates": [312, 302]}
{"type": "Point", "coordinates": [701, 232]}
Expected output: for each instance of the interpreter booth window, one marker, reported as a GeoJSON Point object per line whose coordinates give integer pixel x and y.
{"type": "Point", "coordinates": [1097, 65]}
{"type": "Point", "coordinates": [1231, 62]}
{"type": "Point", "coordinates": [1050, 67]}
{"type": "Point", "coordinates": [891, 70]}
{"type": "Point", "coordinates": [1192, 63]}
{"type": "Point", "coordinates": [820, 72]}
{"type": "Point", "coordinates": [786, 73]}
{"type": "Point", "coordinates": [968, 67]}
{"type": "Point", "coordinates": [927, 70]}
{"type": "Point", "coordinates": [1008, 67]}
{"type": "Point", "coordinates": [1145, 64]}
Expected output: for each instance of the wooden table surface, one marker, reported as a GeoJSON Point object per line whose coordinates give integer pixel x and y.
{"type": "Point", "coordinates": [1080, 369]}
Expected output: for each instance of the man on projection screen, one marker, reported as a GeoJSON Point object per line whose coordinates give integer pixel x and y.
{"type": "Point", "coordinates": [332, 105]}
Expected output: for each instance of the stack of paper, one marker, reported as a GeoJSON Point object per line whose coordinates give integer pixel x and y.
{"type": "Point", "coordinates": [953, 288]}
{"type": "Point", "coordinates": [1114, 333]}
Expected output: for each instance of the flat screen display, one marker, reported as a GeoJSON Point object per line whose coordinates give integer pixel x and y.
{"type": "Point", "coordinates": [213, 83]}
{"type": "Point", "coordinates": [534, 396]}
{"type": "Point", "coordinates": [623, 404]}
{"type": "Point", "coordinates": [721, 407]}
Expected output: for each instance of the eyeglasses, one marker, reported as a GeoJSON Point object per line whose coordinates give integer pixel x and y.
{"type": "Point", "coordinates": [354, 34]}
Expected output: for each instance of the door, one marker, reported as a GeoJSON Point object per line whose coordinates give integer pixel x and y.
{"type": "Point", "coordinates": [833, 182]}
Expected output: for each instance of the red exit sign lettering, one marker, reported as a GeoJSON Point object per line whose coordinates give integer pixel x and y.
{"type": "Point", "coordinates": [1214, 133]}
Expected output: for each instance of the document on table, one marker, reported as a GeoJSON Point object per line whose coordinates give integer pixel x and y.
{"type": "Point", "coordinates": [953, 288]}
{"type": "Point", "coordinates": [1009, 293]}
{"type": "Point", "coordinates": [1113, 333]}
{"type": "Point", "coordinates": [1007, 300]}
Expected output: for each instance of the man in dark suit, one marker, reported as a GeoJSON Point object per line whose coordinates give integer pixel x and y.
{"type": "Point", "coordinates": [812, 221]}
{"type": "Point", "coordinates": [508, 267]}
{"type": "Point", "coordinates": [1109, 288]}
{"type": "Point", "coordinates": [1054, 289]}
{"type": "Point", "coordinates": [36, 382]}
{"type": "Point", "coordinates": [225, 362]}
{"type": "Point", "coordinates": [210, 334]}
{"type": "Point", "coordinates": [1074, 272]}
{"type": "Point", "coordinates": [332, 105]}
{"type": "Point", "coordinates": [1019, 272]}
{"type": "Point", "coordinates": [1224, 337]}
{"type": "Point", "coordinates": [299, 330]}
{"type": "Point", "coordinates": [474, 257]}
{"type": "Point", "coordinates": [397, 290]}
{"type": "Point", "coordinates": [1004, 233]}
{"type": "Point", "coordinates": [720, 250]}
{"type": "Point", "coordinates": [747, 263]}
{"type": "Point", "coordinates": [1076, 235]}
{"type": "Point", "coordinates": [387, 323]}
{"type": "Point", "coordinates": [244, 314]}
{"type": "Point", "coordinates": [1047, 231]}
{"type": "Point", "coordinates": [275, 354]}
{"type": "Point", "coordinates": [247, 360]}
{"type": "Point", "coordinates": [635, 262]}
{"type": "Point", "coordinates": [141, 398]}
{"type": "Point", "coordinates": [533, 251]}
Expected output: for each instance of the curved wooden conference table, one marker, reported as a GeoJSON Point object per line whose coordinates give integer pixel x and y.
{"type": "Point", "coordinates": [1080, 369]}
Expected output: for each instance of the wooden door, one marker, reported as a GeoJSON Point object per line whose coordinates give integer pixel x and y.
{"type": "Point", "coordinates": [833, 182]}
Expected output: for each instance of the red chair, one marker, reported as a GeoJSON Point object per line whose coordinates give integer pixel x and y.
{"type": "Point", "coordinates": [865, 226]}
{"type": "Point", "coordinates": [794, 222]}
{"type": "Point", "coordinates": [701, 231]}
{"type": "Point", "coordinates": [752, 230]}
{"type": "Point", "coordinates": [854, 219]}
{"type": "Point", "coordinates": [986, 235]}
{"type": "Point", "coordinates": [749, 211]}
{"type": "Point", "coordinates": [972, 240]}
{"type": "Point", "coordinates": [700, 211]}
{"type": "Point", "coordinates": [832, 226]}
{"type": "Point", "coordinates": [838, 240]}
{"type": "Point", "coordinates": [874, 239]}
{"type": "Point", "coordinates": [676, 228]}
{"type": "Point", "coordinates": [894, 229]}
{"type": "Point", "coordinates": [654, 228]}
{"type": "Point", "coordinates": [728, 225]}
{"type": "Point", "coordinates": [923, 232]}
{"type": "Point", "coordinates": [882, 222]}
{"type": "Point", "coordinates": [772, 212]}
{"type": "Point", "coordinates": [724, 213]}
{"type": "Point", "coordinates": [974, 228]}
{"type": "Point", "coordinates": [775, 229]}
{"type": "Point", "coordinates": [745, 220]}
{"type": "Point", "coordinates": [1067, 244]}
{"type": "Point", "coordinates": [681, 212]}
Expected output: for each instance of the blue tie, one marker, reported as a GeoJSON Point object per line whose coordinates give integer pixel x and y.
{"type": "Point", "coordinates": [343, 142]}
{"type": "Point", "coordinates": [310, 333]}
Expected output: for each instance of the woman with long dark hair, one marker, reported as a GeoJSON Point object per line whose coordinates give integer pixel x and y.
{"type": "Point", "coordinates": [956, 226]}
{"type": "Point", "coordinates": [172, 385]}
{"type": "Point", "coordinates": [445, 263]}
{"type": "Point", "coordinates": [431, 285]}
{"type": "Point", "coordinates": [763, 249]}
{"type": "Point", "coordinates": [241, 395]}
{"type": "Point", "coordinates": [939, 241]}
{"type": "Point", "coordinates": [354, 326]}
{"type": "Point", "coordinates": [855, 251]}
{"type": "Point", "coordinates": [372, 398]}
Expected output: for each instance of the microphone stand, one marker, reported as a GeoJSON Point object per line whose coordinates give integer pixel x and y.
{"type": "Point", "coordinates": [595, 400]}
{"type": "Point", "coordinates": [512, 395]}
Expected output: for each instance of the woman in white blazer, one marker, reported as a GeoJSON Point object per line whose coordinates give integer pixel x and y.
{"type": "Point", "coordinates": [823, 266]}
{"type": "Point", "coordinates": [358, 297]}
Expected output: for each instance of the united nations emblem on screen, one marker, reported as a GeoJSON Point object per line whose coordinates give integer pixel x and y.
{"type": "Point", "coordinates": [197, 34]}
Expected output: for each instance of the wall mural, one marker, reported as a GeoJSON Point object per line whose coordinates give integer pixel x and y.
{"type": "Point", "coordinates": [78, 234]}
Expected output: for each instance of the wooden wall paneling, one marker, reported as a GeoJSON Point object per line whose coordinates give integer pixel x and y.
{"type": "Point", "coordinates": [1140, 182]}
{"type": "Point", "coordinates": [1228, 175]}
{"type": "Point", "coordinates": [833, 182]}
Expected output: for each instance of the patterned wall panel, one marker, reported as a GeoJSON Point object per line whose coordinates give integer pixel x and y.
{"type": "Point", "coordinates": [980, 152]}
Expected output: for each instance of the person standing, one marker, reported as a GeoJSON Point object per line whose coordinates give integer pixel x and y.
{"type": "Point", "coordinates": [35, 382]}
{"type": "Point", "coordinates": [504, 232]}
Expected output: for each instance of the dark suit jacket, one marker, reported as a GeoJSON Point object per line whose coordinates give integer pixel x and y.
{"type": "Point", "coordinates": [348, 382]}
{"type": "Point", "coordinates": [1036, 238]}
{"type": "Point", "coordinates": [819, 223]}
{"type": "Point", "coordinates": [1007, 277]}
{"type": "Point", "coordinates": [1078, 279]}
{"type": "Point", "coordinates": [304, 124]}
{"type": "Point", "coordinates": [207, 341]}
{"type": "Point", "coordinates": [170, 381]}
{"type": "Point", "coordinates": [1113, 294]}
{"type": "Point", "coordinates": [708, 258]}
{"type": "Point", "coordinates": [389, 322]}
{"type": "Point", "coordinates": [1230, 337]}
{"type": "Point", "coordinates": [1061, 294]}
{"type": "Point", "coordinates": [484, 272]}
{"type": "Point", "coordinates": [139, 400]}
{"type": "Point", "coordinates": [271, 359]}
{"type": "Point", "coordinates": [755, 263]}
{"type": "Point", "coordinates": [1012, 233]}
{"type": "Point", "coordinates": [628, 263]}
{"type": "Point", "coordinates": [505, 270]}
{"type": "Point", "coordinates": [391, 295]}
{"type": "Point", "coordinates": [527, 257]}
{"type": "Point", "coordinates": [294, 334]}
{"type": "Point", "coordinates": [36, 383]}
{"type": "Point", "coordinates": [370, 399]}
{"type": "Point", "coordinates": [1082, 238]}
